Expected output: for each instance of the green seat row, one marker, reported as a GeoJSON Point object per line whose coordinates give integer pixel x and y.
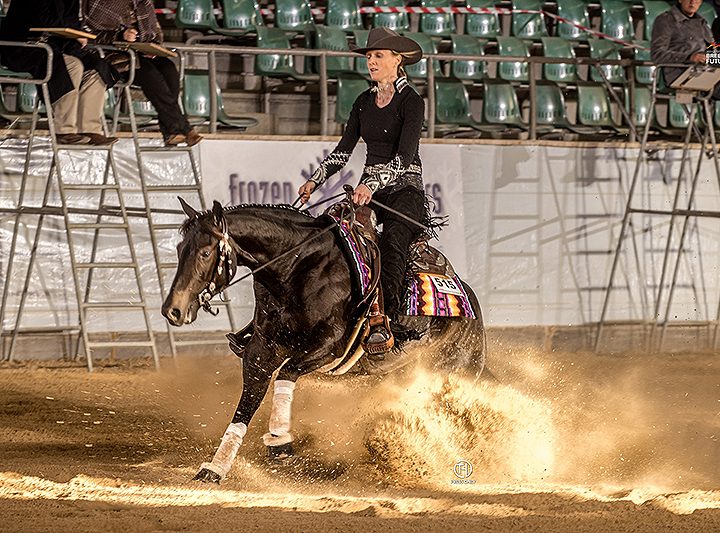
{"type": "Point", "coordinates": [242, 16]}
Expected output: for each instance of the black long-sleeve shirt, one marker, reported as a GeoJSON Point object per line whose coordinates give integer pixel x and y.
{"type": "Point", "coordinates": [392, 136]}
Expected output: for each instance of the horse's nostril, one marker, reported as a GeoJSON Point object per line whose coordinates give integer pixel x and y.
{"type": "Point", "coordinates": [175, 314]}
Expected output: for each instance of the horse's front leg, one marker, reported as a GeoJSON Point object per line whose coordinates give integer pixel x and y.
{"type": "Point", "coordinates": [256, 378]}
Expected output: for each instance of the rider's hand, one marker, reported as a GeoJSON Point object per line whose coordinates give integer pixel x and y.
{"type": "Point", "coordinates": [83, 42]}
{"type": "Point", "coordinates": [699, 57]}
{"type": "Point", "coordinates": [130, 35]}
{"type": "Point", "coordinates": [362, 195]}
{"type": "Point", "coordinates": [306, 190]}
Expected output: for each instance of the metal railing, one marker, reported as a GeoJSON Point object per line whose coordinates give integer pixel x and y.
{"type": "Point", "coordinates": [211, 51]}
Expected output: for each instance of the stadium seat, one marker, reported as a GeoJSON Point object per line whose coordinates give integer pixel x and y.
{"type": "Point", "coordinates": [361, 37]}
{"type": "Point", "coordinates": [643, 74]}
{"type": "Point", "coordinates": [500, 104]}
{"type": "Point", "coordinates": [196, 101]}
{"type": "Point", "coordinates": [559, 72]}
{"type": "Point", "coordinates": [576, 11]}
{"type": "Point", "coordinates": [528, 26]}
{"type": "Point", "coordinates": [593, 107]}
{"type": "Point", "coordinates": [604, 49]}
{"type": "Point", "coordinates": [653, 8]}
{"type": "Point", "coordinates": [429, 46]}
{"type": "Point", "coordinates": [395, 21]}
{"type": "Point", "coordinates": [678, 117]}
{"type": "Point", "coordinates": [27, 95]}
{"type": "Point", "coordinates": [452, 106]}
{"type": "Point", "coordinates": [550, 109]}
{"type": "Point", "coordinates": [328, 38]}
{"type": "Point", "coordinates": [240, 17]}
{"type": "Point", "coordinates": [144, 111]}
{"type": "Point", "coordinates": [195, 15]}
{"type": "Point", "coordinates": [616, 19]}
{"type": "Point", "coordinates": [468, 69]}
{"type": "Point", "coordinates": [343, 14]}
{"type": "Point", "coordinates": [275, 65]}
{"type": "Point", "coordinates": [707, 12]}
{"type": "Point", "coordinates": [642, 106]}
{"type": "Point", "coordinates": [440, 24]}
{"type": "Point", "coordinates": [348, 89]}
{"type": "Point", "coordinates": [512, 70]}
{"type": "Point", "coordinates": [482, 24]}
{"type": "Point", "coordinates": [293, 15]}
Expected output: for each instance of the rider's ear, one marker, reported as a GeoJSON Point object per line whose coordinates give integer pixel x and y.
{"type": "Point", "coordinates": [189, 211]}
{"type": "Point", "coordinates": [218, 214]}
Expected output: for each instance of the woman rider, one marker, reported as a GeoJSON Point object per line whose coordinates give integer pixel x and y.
{"type": "Point", "coordinates": [389, 119]}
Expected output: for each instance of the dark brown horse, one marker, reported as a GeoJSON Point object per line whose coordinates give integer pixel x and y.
{"type": "Point", "coordinates": [304, 311]}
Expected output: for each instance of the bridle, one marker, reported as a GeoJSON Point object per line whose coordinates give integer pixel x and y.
{"type": "Point", "coordinates": [225, 263]}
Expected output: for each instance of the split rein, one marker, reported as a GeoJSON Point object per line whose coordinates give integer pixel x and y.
{"type": "Point", "coordinates": [224, 263]}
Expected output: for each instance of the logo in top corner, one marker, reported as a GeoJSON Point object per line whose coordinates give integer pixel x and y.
{"type": "Point", "coordinates": [712, 54]}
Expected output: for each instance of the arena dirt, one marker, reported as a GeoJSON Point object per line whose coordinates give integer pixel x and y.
{"type": "Point", "coordinates": [560, 442]}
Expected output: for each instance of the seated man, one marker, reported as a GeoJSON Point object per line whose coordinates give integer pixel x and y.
{"type": "Point", "coordinates": [680, 36]}
{"type": "Point", "coordinates": [135, 21]}
{"type": "Point", "coordinates": [79, 76]}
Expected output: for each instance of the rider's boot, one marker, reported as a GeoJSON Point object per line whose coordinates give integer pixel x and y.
{"type": "Point", "coordinates": [380, 339]}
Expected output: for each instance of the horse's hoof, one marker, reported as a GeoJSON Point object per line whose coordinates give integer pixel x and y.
{"type": "Point", "coordinates": [280, 454]}
{"type": "Point", "coordinates": [207, 476]}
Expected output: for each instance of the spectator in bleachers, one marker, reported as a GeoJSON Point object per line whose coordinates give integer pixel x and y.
{"type": "Point", "coordinates": [680, 36]}
{"type": "Point", "coordinates": [389, 118]}
{"type": "Point", "coordinates": [135, 21]}
{"type": "Point", "coordinates": [79, 76]}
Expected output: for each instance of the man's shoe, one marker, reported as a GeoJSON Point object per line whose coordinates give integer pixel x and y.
{"type": "Point", "coordinates": [175, 139]}
{"type": "Point", "coordinates": [71, 138]}
{"type": "Point", "coordinates": [193, 137]}
{"type": "Point", "coordinates": [97, 139]}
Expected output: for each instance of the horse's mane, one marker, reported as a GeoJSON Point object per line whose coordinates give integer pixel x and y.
{"type": "Point", "coordinates": [203, 217]}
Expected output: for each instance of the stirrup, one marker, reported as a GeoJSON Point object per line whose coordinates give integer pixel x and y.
{"type": "Point", "coordinates": [380, 338]}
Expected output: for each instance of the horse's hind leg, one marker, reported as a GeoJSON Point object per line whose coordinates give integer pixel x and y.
{"type": "Point", "coordinates": [278, 439]}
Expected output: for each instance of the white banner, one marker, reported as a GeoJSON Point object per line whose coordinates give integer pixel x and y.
{"type": "Point", "coordinates": [532, 229]}
{"type": "Point", "coordinates": [270, 172]}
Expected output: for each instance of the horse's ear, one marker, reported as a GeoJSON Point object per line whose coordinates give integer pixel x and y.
{"type": "Point", "coordinates": [189, 211]}
{"type": "Point", "coordinates": [218, 213]}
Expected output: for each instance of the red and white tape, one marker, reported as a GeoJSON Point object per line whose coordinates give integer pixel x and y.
{"type": "Point", "coordinates": [456, 11]}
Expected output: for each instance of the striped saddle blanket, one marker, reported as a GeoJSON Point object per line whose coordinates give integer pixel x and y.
{"type": "Point", "coordinates": [432, 288]}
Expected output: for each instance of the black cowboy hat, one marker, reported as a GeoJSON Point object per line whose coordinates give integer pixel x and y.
{"type": "Point", "coordinates": [386, 39]}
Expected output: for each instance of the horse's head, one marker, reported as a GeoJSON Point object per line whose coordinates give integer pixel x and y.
{"type": "Point", "coordinates": [207, 261]}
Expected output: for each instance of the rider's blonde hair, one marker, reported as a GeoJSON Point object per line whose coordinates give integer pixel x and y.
{"type": "Point", "coordinates": [404, 55]}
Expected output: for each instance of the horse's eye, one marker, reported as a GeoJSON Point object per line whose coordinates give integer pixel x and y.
{"type": "Point", "coordinates": [206, 253]}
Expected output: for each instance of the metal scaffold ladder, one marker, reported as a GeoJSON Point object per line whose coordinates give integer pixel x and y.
{"type": "Point", "coordinates": [112, 257]}
{"type": "Point", "coordinates": [657, 307]}
{"type": "Point", "coordinates": [163, 224]}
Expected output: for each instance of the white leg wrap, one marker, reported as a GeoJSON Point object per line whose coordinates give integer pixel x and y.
{"type": "Point", "coordinates": [280, 415]}
{"type": "Point", "coordinates": [228, 449]}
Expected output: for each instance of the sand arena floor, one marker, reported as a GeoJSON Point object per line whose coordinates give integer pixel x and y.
{"type": "Point", "coordinates": [562, 442]}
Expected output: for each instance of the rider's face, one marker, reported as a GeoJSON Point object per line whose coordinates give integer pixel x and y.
{"type": "Point", "coordinates": [383, 65]}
